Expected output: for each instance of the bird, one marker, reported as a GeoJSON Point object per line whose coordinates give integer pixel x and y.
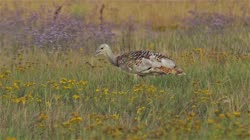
{"type": "Point", "coordinates": [141, 62]}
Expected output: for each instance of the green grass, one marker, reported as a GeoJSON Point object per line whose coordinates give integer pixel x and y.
{"type": "Point", "coordinates": [74, 95]}
{"type": "Point", "coordinates": [159, 13]}
{"type": "Point", "coordinates": [210, 102]}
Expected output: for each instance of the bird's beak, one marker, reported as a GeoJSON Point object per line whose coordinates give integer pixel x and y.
{"type": "Point", "coordinates": [97, 52]}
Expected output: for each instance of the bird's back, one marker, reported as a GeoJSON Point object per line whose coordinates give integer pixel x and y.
{"type": "Point", "coordinates": [141, 62]}
{"type": "Point", "coordinates": [145, 62]}
{"type": "Point", "coordinates": [137, 55]}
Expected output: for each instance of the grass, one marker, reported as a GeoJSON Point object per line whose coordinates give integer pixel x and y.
{"type": "Point", "coordinates": [55, 94]}
{"type": "Point", "coordinates": [60, 96]}
{"type": "Point", "coordinates": [159, 13]}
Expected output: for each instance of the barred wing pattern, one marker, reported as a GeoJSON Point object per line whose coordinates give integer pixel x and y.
{"type": "Point", "coordinates": [146, 62]}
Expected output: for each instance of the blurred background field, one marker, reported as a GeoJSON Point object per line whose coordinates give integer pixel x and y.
{"type": "Point", "coordinates": [160, 12]}
{"type": "Point", "coordinates": [52, 86]}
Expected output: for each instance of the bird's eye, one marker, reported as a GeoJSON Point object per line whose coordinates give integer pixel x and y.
{"type": "Point", "coordinates": [101, 48]}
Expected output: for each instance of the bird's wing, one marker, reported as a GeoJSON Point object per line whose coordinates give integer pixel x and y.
{"type": "Point", "coordinates": [143, 61]}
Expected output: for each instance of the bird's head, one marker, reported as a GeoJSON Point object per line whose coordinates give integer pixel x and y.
{"type": "Point", "coordinates": [102, 49]}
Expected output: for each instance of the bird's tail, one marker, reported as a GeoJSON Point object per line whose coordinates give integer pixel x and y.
{"type": "Point", "coordinates": [179, 71]}
{"type": "Point", "coordinates": [176, 71]}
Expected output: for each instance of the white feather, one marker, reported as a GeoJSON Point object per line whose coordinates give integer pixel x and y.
{"type": "Point", "coordinates": [139, 63]}
{"type": "Point", "coordinates": [144, 65]}
{"type": "Point", "coordinates": [168, 63]}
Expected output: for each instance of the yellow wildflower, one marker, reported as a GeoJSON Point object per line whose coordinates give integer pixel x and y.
{"type": "Point", "coordinates": [106, 90]}
{"type": "Point", "coordinates": [2, 76]}
{"type": "Point", "coordinates": [98, 121]}
{"type": "Point", "coordinates": [42, 117]}
{"type": "Point", "coordinates": [38, 100]}
{"type": "Point", "coordinates": [76, 96]}
{"type": "Point", "coordinates": [115, 116]}
{"type": "Point", "coordinates": [72, 82]}
{"type": "Point", "coordinates": [162, 91]}
{"type": "Point", "coordinates": [151, 89]}
{"type": "Point", "coordinates": [63, 81]}
{"type": "Point", "coordinates": [56, 86]}
{"type": "Point", "coordinates": [48, 104]}
{"type": "Point", "coordinates": [8, 88]}
{"type": "Point", "coordinates": [82, 83]}
{"type": "Point", "coordinates": [7, 72]}
{"type": "Point", "coordinates": [75, 119]}
{"type": "Point", "coordinates": [10, 138]}
{"type": "Point", "coordinates": [41, 125]}
{"type": "Point", "coordinates": [97, 90]}
{"type": "Point", "coordinates": [29, 84]}
{"type": "Point", "coordinates": [16, 85]}
{"type": "Point", "coordinates": [192, 114]}
{"type": "Point", "coordinates": [140, 110]}
{"type": "Point", "coordinates": [210, 121]}
{"type": "Point", "coordinates": [21, 100]}
{"type": "Point", "coordinates": [66, 87]}
{"type": "Point", "coordinates": [236, 114]}
{"type": "Point", "coordinates": [207, 92]}
{"type": "Point", "coordinates": [66, 124]}
{"type": "Point", "coordinates": [221, 116]}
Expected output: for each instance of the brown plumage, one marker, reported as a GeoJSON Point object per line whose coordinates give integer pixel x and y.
{"type": "Point", "coordinates": [141, 62]}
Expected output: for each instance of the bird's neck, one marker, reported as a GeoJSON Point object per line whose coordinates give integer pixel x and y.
{"type": "Point", "coordinates": [112, 58]}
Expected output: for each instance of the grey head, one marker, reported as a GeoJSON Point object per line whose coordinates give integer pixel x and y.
{"type": "Point", "coordinates": [103, 49]}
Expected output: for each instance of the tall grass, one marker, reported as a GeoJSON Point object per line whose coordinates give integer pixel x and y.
{"type": "Point", "coordinates": [211, 101]}
{"type": "Point", "coordinates": [53, 93]}
{"type": "Point", "coordinates": [160, 12]}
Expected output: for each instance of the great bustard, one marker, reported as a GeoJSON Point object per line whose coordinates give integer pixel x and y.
{"type": "Point", "coordinates": [141, 62]}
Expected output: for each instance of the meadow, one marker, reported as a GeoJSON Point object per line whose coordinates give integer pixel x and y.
{"type": "Point", "coordinates": [53, 87]}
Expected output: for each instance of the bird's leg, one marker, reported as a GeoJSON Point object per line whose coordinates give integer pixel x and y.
{"type": "Point", "coordinates": [141, 78]}
{"type": "Point", "coordinates": [136, 77]}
